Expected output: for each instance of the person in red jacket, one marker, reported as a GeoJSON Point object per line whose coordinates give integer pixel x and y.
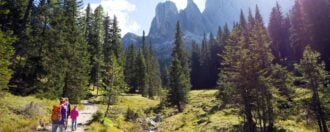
{"type": "Point", "coordinates": [74, 115]}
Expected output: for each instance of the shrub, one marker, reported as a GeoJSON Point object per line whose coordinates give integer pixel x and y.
{"type": "Point", "coordinates": [131, 115]}
{"type": "Point", "coordinates": [97, 117]}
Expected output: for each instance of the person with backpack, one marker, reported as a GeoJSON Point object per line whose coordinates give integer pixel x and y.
{"type": "Point", "coordinates": [59, 114]}
{"type": "Point", "coordinates": [68, 110]}
{"type": "Point", "coordinates": [74, 115]}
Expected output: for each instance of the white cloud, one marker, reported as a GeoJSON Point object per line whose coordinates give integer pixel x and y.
{"type": "Point", "coordinates": [120, 8]}
{"type": "Point", "coordinates": [200, 4]}
{"type": "Point", "coordinates": [181, 4]}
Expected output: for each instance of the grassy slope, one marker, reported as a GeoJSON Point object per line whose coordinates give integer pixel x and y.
{"type": "Point", "coordinates": [23, 113]}
{"type": "Point", "coordinates": [117, 113]}
{"type": "Point", "coordinates": [200, 114]}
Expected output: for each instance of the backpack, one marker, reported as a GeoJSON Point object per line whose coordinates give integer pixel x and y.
{"type": "Point", "coordinates": [56, 113]}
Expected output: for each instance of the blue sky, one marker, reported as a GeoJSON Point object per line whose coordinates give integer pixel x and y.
{"type": "Point", "coordinates": [135, 15]}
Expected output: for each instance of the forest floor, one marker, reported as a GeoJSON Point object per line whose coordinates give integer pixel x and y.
{"type": "Point", "coordinates": [200, 114]}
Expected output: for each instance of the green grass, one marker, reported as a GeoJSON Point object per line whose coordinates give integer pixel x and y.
{"type": "Point", "coordinates": [17, 115]}
{"type": "Point", "coordinates": [116, 121]}
{"type": "Point", "coordinates": [25, 113]}
{"type": "Point", "coordinates": [202, 114]}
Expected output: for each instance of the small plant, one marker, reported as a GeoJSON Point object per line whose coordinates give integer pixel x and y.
{"type": "Point", "coordinates": [97, 117]}
{"type": "Point", "coordinates": [131, 115]}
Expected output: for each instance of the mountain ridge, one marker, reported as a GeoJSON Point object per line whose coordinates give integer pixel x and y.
{"type": "Point", "coordinates": [195, 23]}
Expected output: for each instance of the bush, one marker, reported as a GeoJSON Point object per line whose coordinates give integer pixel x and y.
{"type": "Point", "coordinates": [131, 115]}
{"type": "Point", "coordinates": [97, 117]}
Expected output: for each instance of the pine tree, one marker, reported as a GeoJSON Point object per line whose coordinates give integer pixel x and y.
{"type": "Point", "coordinates": [116, 45]}
{"type": "Point", "coordinates": [231, 78]}
{"type": "Point", "coordinates": [107, 42]}
{"type": "Point", "coordinates": [88, 24]}
{"type": "Point", "coordinates": [154, 74]}
{"type": "Point", "coordinates": [215, 49]}
{"type": "Point", "coordinates": [146, 55]}
{"type": "Point", "coordinates": [179, 73]}
{"type": "Point", "coordinates": [6, 52]}
{"type": "Point", "coordinates": [317, 20]}
{"type": "Point", "coordinates": [245, 77]}
{"type": "Point", "coordinates": [225, 35]}
{"type": "Point", "coordinates": [261, 60]}
{"type": "Point", "coordinates": [277, 32]}
{"type": "Point", "coordinates": [28, 50]}
{"type": "Point", "coordinates": [113, 61]}
{"type": "Point", "coordinates": [250, 20]}
{"type": "Point", "coordinates": [315, 76]}
{"type": "Point", "coordinates": [12, 14]}
{"type": "Point", "coordinates": [205, 63]}
{"type": "Point", "coordinates": [130, 68]}
{"type": "Point", "coordinates": [165, 77]}
{"type": "Point", "coordinates": [96, 46]}
{"type": "Point", "coordinates": [113, 82]}
{"type": "Point", "coordinates": [298, 31]}
{"type": "Point", "coordinates": [195, 66]}
{"type": "Point", "coordinates": [54, 60]}
{"type": "Point", "coordinates": [141, 73]}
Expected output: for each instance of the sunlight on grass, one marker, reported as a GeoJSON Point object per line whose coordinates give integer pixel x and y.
{"type": "Point", "coordinates": [23, 113]}
{"type": "Point", "coordinates": [200, 114]}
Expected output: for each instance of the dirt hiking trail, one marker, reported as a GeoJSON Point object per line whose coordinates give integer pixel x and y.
{"type": "Point", "coordinates": [85, 116]}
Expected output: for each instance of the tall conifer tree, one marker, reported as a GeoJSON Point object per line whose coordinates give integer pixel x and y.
{"type": "Point", "coordinates": [179, 73]}
{"type": "Point", "coordinates": [96, 46]}
{"type": "Point", "coordinates": [315, 76]}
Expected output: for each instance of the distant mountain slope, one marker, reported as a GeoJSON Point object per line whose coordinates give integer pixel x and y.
{"type": "Point", "coordinates": [195, 23]}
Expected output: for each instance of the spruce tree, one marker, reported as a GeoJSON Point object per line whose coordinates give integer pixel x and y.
{"type": "Point", "coordinates": [113, 81]}
{"type": "Point", "coordinates": [205, 63]}
{"type": "Point", "coordinates": [146, 55]}
{"type": "Point", "coordinates": [298, 31]}
{"type": "Point", "coordinates": [225, 35]}
{"type": "Point", "coordinates": [113, 61]}
{"type": "Point", "coordinates": [51, 81]}
{"type": "Point", "coordinates": [154, 74]}
{"type": "Point", "coordinates": [96, 46]}
{"type": "Point", "coordinates": [76, 79]}
{"type": "Point", "coordinates": [277, 32]}
{"type": "Point", "coordinates": [116, 45]}
{"type": "Point", "coordinates": [316, 14]}
{"type": "Point", "coordinates": [261, 60]}
{"type": "Point", "coordinates": [179, 73]}
{"type": "Point", "coordinates": [141, 73]}
{"type": "Point", "coordinates": [88, 24]}
{"type": "Point", "coordinates": [130, 68]}
{"type": "Point", "coordinates": [195, 66]}
{"type": "Point", "coordinates": [6, 52]}
{"type": "Point", "coordinates": [245, 77]}
{"type": "Point", "coordinates": [28, 48]}
{"type": "Point", "coordinates": [215, 49]}
{"type": "Point", "coordinates": [165, 77]}
{"type": "Point", "coordinates": [315, 76]}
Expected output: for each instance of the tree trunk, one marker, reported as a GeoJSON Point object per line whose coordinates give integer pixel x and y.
{"type": "Point", "coordinates": [320, 115]}
{"type": "Point", "coordinates": [180, 107]}
{"type": "Point", "coordinates": [26, 16]}
{"type": "Point", "coordinates": [318, 108]}
{"type": "Point", "coordinates": [65, 88]}
{"type": "Point", "coordinates": [250, 126]}
{"type": "Point", "coordinates": [108, 106]}
{"type": "Point", "coordinates": [270, 113]}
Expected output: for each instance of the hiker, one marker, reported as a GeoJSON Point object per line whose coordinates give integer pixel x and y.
{"type": "Point", "coordinates": [59, 116]}
{"type": "Point", "coordinates": [68, 109]}
{"type": "Point", "coordinates": [74, 115]}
